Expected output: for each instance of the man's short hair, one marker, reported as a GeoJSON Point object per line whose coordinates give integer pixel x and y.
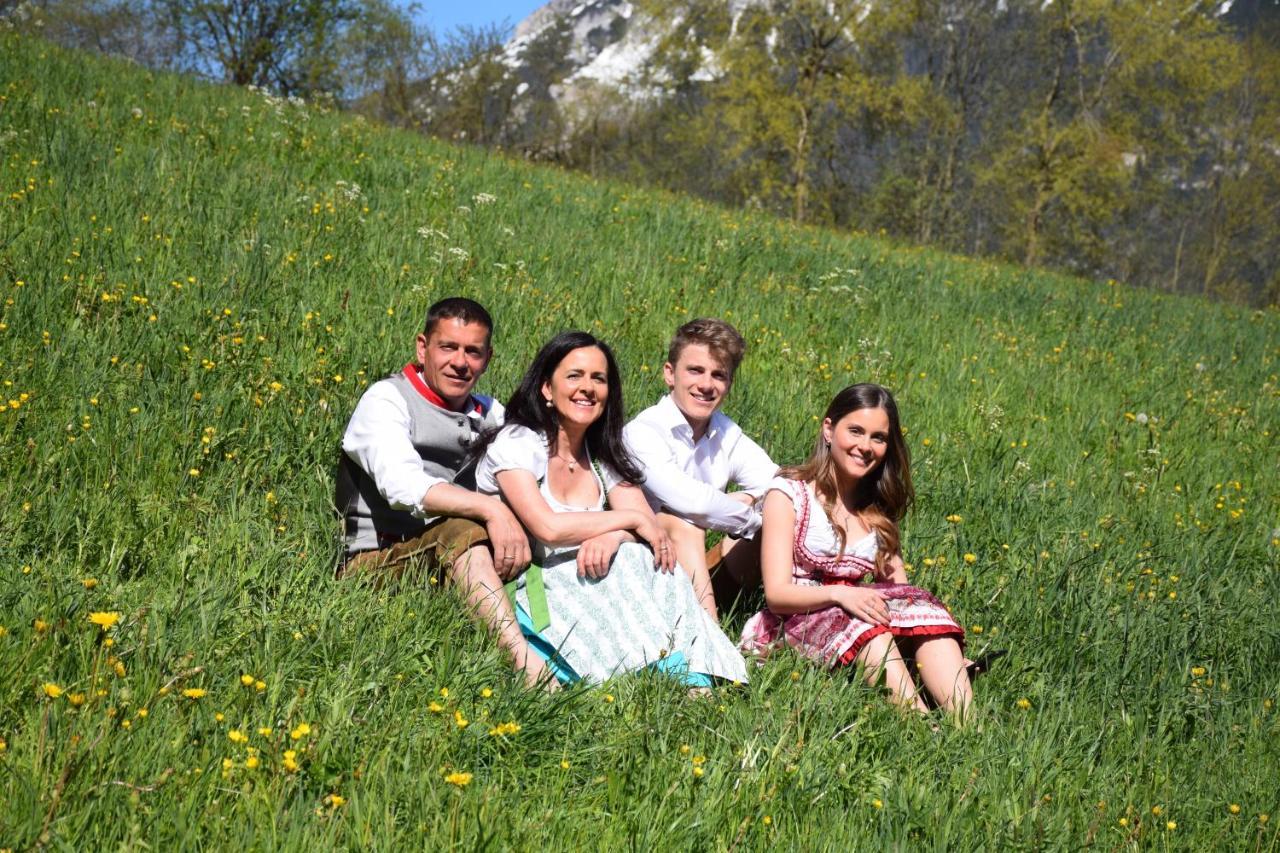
{"type": "Point", "coordinates": [719, 337]}
{"type": "Point", "coordinates": [458, 308]}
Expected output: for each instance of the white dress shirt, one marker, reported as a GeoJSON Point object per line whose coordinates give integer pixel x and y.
{"type": "Point", "coordinates": [688, 478]}
{"type": "Point", "coordinates": [378, 439]}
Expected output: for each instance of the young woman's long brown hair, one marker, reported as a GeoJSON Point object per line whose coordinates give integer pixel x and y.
{"type": "Point", "coordinates": [883, 496]}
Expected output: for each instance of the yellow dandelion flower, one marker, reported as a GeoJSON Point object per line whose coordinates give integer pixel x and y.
{"type": "Point", "coordinates": [697, 772]}
{"type": "Point", "coordinates": [40, 626]}
{"type": "Point", "coordinates": [1197, 671]}
{"type": "Point", "coordinates": [485, 693]}
{"type": "Point", "coordinates": [955, 519]}
{"type": "Point", "coordinates": [435, 707]}
{"type": "Point", "coordinates": [608, 697]}
{"type": "Point", "coordinates": [89, 583]}
{"type": "Point", "coordinates": [1234, 808]}
{"type": "Point", "coordinates": [246, 679]}
{"type": "Point", "coordinates": [458, 778]}
{"type": "Point", "coordinates": [237, 736]}
{"type": "Point", "coordinates": [290, 762]}
{"type": "Point", "coordinates": [1171, 825]}
{"type": "Point", "coordinates": [259, 685]}
{"type": "Point", "coordinates": [104, 619]}
{"type": "Point", "coordinates": [195, 693]}
{"type": "Point", "coordinates": [767, 820]}
{"type": "Point", "coordinates": [142, 713]}
{"type": "Point", "coordinates": [51, 690]}
{"type": "Point", "coordinates": [252, 762]}
{"type": "Point", "coordinates": [265, 731]}
{"type": "Point", "coordinates": [877, 803]}
{"type": "Point", "coordinates": [300, 731]}
{"type": "Point", "coordinates": [564, 764]}
{"type": "Point", "coordinates": [76, 699]}
{"type": "Point", "coordinates": [971, 558]}
{"type": "Point", "coordinates": [461, 721]}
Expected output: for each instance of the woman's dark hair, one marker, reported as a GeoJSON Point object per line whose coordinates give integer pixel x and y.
{"type": "Point", "coordinates": [528, 408]}
{"type": "Point", "coordinates": [884, 495]}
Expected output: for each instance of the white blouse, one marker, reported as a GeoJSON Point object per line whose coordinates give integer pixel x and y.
{"type": "Point", "coordinates": [518, 448]}
{"type": "Point", "coordinates": [820, 538]}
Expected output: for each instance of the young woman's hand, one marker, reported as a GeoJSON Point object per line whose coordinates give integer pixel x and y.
{"type": "Point", "coordinates": [865, 604]}
{"type": "Point", "coordinates": [664, 553]}
{"type": "Point", "coordinates": [595, 555]}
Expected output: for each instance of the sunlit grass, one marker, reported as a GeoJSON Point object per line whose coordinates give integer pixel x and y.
{"type": "Point", "coordinates": [199, 282]}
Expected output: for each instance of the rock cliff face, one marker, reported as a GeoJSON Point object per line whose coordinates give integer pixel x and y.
{"type": "Point", "coordinates": [596, 42]}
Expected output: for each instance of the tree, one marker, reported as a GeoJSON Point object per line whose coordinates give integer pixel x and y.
{"type": "Point", "coordinates": [793, 76]}
{"type": "Point", "coordinates": [1107, 93]}
{"type": "Point", "coordinates": [288, 46]}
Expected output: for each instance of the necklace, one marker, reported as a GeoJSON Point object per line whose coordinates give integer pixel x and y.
{"type": "Point", "coordinates": [570, 461]}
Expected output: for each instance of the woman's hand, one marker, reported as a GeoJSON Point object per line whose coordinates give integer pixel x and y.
{"type": "Point", "coordinates": [595, 555]}
{"type": "Point", "coordinates": [866, 604]}
{"type": "Point", "coordinates": [664, 553]}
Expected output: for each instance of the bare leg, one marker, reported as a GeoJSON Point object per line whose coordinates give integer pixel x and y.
{"type": "Point", "coordinates": [473, 573]}
{"type": "Point", "coordinates": [881, 655]}
{"type": "Point", "coordinates": [942, 669]}
{"type": "Point", "coordinates": [690, 543]}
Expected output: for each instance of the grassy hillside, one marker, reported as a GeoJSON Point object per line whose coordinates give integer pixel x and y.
{"type": "Point", "coordinates": [199, 282]}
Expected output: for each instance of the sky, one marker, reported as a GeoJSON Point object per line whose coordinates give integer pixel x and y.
{"type": "Point", "coordinates": [445, 15]}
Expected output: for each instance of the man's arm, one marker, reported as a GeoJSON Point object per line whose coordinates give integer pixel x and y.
{"type": "Point", "coordinates": [377, 439]}
{"type": "Point", "coordinates": [749, 465]}
{"type": "Point", "coordinates": [683, 495]}
{"type": "Point", "coordinates": [510, 542]}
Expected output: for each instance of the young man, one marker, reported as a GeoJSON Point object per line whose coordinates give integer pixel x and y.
{"type": "Point", "coordinates": [691, 451]}
{"type": "Point", "coordinates": [406, 489]}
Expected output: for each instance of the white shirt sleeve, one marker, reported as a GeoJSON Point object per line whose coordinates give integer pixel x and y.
{"type": "Point", "coordinates": [683, 495]}
{"type": "Point", "coordinates": [752, 469]}
{"type": "Point", "coordinates": [378, 440]}
{"type": "Point", "coordinates": [514, 448]}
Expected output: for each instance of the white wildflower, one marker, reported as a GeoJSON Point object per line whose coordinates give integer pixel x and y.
{"type": "Point", "coordinates": [460, 254]}
{"type": "Point", "coordinates": [1142, 418]}
{"type": "Point", "coordinates": [136, 112]}
{"type": "Point", "coordinates": [427, 232]}
{"type": "Point", "coordinates": [484, 198]}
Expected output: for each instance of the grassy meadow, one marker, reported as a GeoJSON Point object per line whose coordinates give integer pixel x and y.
{"type": "Point", "coordinates": [198, 282]}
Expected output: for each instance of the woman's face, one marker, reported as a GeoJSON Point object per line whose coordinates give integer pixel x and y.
{"type": "Point", "coordinates": [859, 442]}
{"type": "Point", "coordinates": [579, 387]}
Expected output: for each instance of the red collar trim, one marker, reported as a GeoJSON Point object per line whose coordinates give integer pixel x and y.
{"type": "Point", "coordinates": [412, 373]}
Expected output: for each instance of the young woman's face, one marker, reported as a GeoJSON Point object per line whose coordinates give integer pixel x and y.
{"type": "Point", "coordinates": [579, 386]}
{"type": "Point", "coordinates": [859, 442]}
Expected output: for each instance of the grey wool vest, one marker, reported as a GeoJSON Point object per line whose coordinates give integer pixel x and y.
{"type": "Point", "coordinates": [443, 439]}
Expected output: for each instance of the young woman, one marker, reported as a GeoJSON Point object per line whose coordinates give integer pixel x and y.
{"type": "Point", "coordinates": [601, 602]}
{"type": "Point", "coordinates": [831, 524]}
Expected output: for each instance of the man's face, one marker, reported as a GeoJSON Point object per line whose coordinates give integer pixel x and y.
{"type": "Point", "coordinates": [699, 382]}
{"type": "Point", "coordinates": [453, 357]}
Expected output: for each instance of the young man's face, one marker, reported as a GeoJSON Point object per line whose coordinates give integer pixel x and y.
{"type": "Point", "coordinates": [453, 357]}
{"type": "Point", "coordinates": [699, 382]}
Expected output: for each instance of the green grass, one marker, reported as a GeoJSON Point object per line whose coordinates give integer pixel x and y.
{"type": "Point", "coordinates": [193, 301]}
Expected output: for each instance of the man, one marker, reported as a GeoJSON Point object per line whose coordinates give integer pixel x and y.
{"type": "Point", "coordinates": [406, 485]}
{"type": "Point", "coordinates": [691, 451]}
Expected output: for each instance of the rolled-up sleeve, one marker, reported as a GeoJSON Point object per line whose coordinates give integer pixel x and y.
{"type": "Point", "coordinates": [682, 494]}
{"type": "Point", "coordinates": [378, 440]}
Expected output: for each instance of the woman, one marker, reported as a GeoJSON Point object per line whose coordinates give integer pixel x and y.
{"type": "Point", "coordinates": [833, 522]}
{"type": "Point", "coordinates": [611, 605]}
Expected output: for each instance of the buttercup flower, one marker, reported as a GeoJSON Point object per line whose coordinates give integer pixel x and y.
{"type": "Point", "coordinates": [105, 620]}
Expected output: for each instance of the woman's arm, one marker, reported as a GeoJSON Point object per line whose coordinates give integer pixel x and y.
{"type": "Point", "coordinates": [520, 490]}
{"type": "Point", "coordinates": [782, 595]}
{"type": "Point", "coordinates": [625, 496]}
{"type": "Point", "coordinates": [897, 572]}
